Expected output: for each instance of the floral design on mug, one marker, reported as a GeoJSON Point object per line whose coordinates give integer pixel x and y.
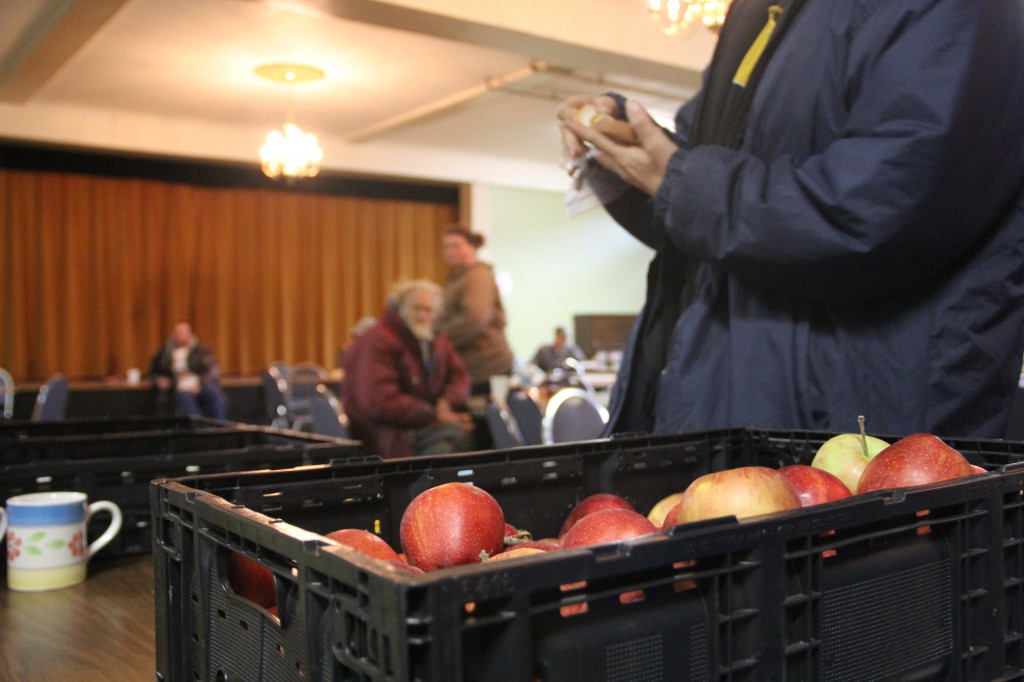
{"type": "Point", "coordinates": [77, 544]}
{"type": "Point", "coordinates": [13, 546]}
{"type": "Point", "coordinates": [35, 544]}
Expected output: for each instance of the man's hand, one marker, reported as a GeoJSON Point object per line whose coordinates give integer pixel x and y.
{"type": "Point", "coordinates": [642, 165]}
{"type": "Point", "coordinates": [162, 383]}
{"type": "Point", "coordinates": [446, 415]}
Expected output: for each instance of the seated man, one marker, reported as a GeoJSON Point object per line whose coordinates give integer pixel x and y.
{"type": "Point", "coordinates": [187, 368]}
{"type": "Point", "coordinates": [557, 352]}
{"type": "Point", "coordinates": [404, 383]}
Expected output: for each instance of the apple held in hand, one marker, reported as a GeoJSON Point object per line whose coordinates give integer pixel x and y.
{"type": "Point", "coordinates": [591, 504]}
{"type": "Point", "coordinates": [451, 524]}
{"type": "Point", "coordinates": [845, 456]}
{"type": "Point", "coordinates": [739, 492]}
{"type": "Point", "coordinates": [915, 460]}
{"type": "Point", "coordinates": [814, 486]}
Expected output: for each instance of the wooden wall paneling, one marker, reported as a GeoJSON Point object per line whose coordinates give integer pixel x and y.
{"type": "Point", "coordinates": [52, 265]}
{"type": "Point", "coordinates": [326, 291]}
{"type": "Point", "coordinates": [112, 333]}
{"type": "Point", "coordinates": [245, 284]}
{"type": "Point", "coordinates": [350, 305]}
{"type": "Point", "coordinates": [95, 269]}
{"type": "Point", "coordinates": [151, 296]}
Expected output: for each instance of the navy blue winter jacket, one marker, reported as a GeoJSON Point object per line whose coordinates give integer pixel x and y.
{"type": "Point", "coordinates": [862, 252]}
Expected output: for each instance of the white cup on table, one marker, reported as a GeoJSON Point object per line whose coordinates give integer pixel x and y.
{"type": "Point", "coordinates": [46, 538]}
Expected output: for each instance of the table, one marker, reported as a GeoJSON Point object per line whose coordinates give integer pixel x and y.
{"type": "Point", "coordinates": [99, 630]}
{"type": "Point", "coordinates": [115, 398]}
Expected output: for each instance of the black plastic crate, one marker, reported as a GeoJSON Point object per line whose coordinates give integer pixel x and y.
{"type": "Point", "coordinates": [120, 464]}
{"type": "Point", "coordinates": [898, 585]}
{"type": "Point", "coordinates": [13, 430]}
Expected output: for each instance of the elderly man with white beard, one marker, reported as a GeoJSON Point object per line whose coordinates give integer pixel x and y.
{"type": "Point", "coordinates": [405, 386]}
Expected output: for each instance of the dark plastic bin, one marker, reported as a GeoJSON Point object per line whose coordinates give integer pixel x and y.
{"type": "Point", "coordinates": [921, 584]}
{"type": "Point", "coordinates": [120, 464]}
{"type": "Point", "coordinates": [13, 430]}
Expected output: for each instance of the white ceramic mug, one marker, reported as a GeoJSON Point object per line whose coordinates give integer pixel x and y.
{"type": "Point", "coordinates": [46, 538]}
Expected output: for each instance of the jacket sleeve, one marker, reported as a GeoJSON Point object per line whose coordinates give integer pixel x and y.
{"type": "Point", "coordinates": [206, 365]}
{"type": "Point", "coordinates": [378, 392]}
{"type": "Point", "coordinates": [458, 381]}
{"type": "Point", "coordinates": [474, 308]}
{"type": "Point", "coordinates": [927, 157]}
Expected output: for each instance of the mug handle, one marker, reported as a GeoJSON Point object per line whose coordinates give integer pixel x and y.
{"type": "Point", "coordinates": [112, 530]}
{"type": "Point", "coordinates": [3, 524]}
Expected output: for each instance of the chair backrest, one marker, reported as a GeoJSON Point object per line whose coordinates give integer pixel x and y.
{"type": "Point", "coordinates": [528, 417]}
{"type": "Point", "coordinates": [6, 394]}
{"type": "Point", "coordinates": [502, 426]}
{"type": "Point", "coordinates": [273, 397]}
{"type": "Point", "coordinates": [573, 414]}
{"type": "Point", "coordinates": [52, 401]}
{"type": "Point", "coordinates": [301, 385]}
{"type": "Point", "coordinates": [327, 413]}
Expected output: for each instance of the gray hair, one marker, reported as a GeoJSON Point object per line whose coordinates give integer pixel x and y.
{"type": "Point", "coordinates": [401, 291]}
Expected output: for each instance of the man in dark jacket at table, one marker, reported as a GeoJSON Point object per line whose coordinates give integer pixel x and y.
{"type": "Point", "coordinates": [405, 386]}
{"type": "Point", "coordinates": [187, 370]}
{"type": "Point", "coordinates": [838, 223]}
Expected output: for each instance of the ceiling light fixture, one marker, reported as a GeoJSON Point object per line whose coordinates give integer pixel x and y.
{"type": "Point", "coordinates": [290, 151]}
{"type": "Point", "coordinates": [675, 17]}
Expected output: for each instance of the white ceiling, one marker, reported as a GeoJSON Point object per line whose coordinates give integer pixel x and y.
{"type": "Point", "coordinates": [455, 90]}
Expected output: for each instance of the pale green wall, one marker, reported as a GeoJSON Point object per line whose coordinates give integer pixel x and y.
{"type": "Point", "coordinates": [559, 266]}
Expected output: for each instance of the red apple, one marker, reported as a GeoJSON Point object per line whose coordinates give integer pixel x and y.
{"type": "Point", "coordinates": [978, 470]}
{"type": "Point", "coordinates": [400, 565]}
{"type": "Point", "coordinates": [251, 580]}
{"type": "Point", "coordinates": [671, 516]}
{"type": "Point", "coordinates": [814, 486]}
{"type": "Point", "coordinates": [451, 524]}
{"type": "Point", "coordinates": [661, 508]}
{"type": "Point", "coordinates": [917, 459]}
{"type": "Point", "coordinates": [592, 504]}
{"type": "Point", "coordinates": [364, 541]}
{"type": "Point", "coordinates": [516, 552]}
{"type": "Point", "coordinates": [607, 525]}
{"type": "Point", "coordinates": [543, 545]}
{"type": "Point", "coordinates": [739, 492]}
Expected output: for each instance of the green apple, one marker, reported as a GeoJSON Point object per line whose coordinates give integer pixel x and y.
{"type": "Point", "coordinates": [846, 455]}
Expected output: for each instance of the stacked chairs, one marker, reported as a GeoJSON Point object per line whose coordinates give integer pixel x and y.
{"type": "Point", "coordinates": [52, 400]}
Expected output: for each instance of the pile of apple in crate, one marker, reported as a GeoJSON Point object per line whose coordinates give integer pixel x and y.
{"type": "Point", "coordinates": [457, 523]}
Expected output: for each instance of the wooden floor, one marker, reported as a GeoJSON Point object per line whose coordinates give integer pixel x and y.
{"type": "Point", "coordinates": [102, 629]}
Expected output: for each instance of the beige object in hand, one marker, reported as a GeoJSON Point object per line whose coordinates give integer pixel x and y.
{"type": "Point", "coordinates": [620, 131]}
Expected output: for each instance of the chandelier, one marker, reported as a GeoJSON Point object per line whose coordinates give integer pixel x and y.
{"type": "Point", "coordinates": [675, 17]}
{"type": "Point", "coordinates": [290, 151]}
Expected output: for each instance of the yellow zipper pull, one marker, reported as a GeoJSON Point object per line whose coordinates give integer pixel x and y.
{"type": "Point", "coordinates": [753, 55]}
